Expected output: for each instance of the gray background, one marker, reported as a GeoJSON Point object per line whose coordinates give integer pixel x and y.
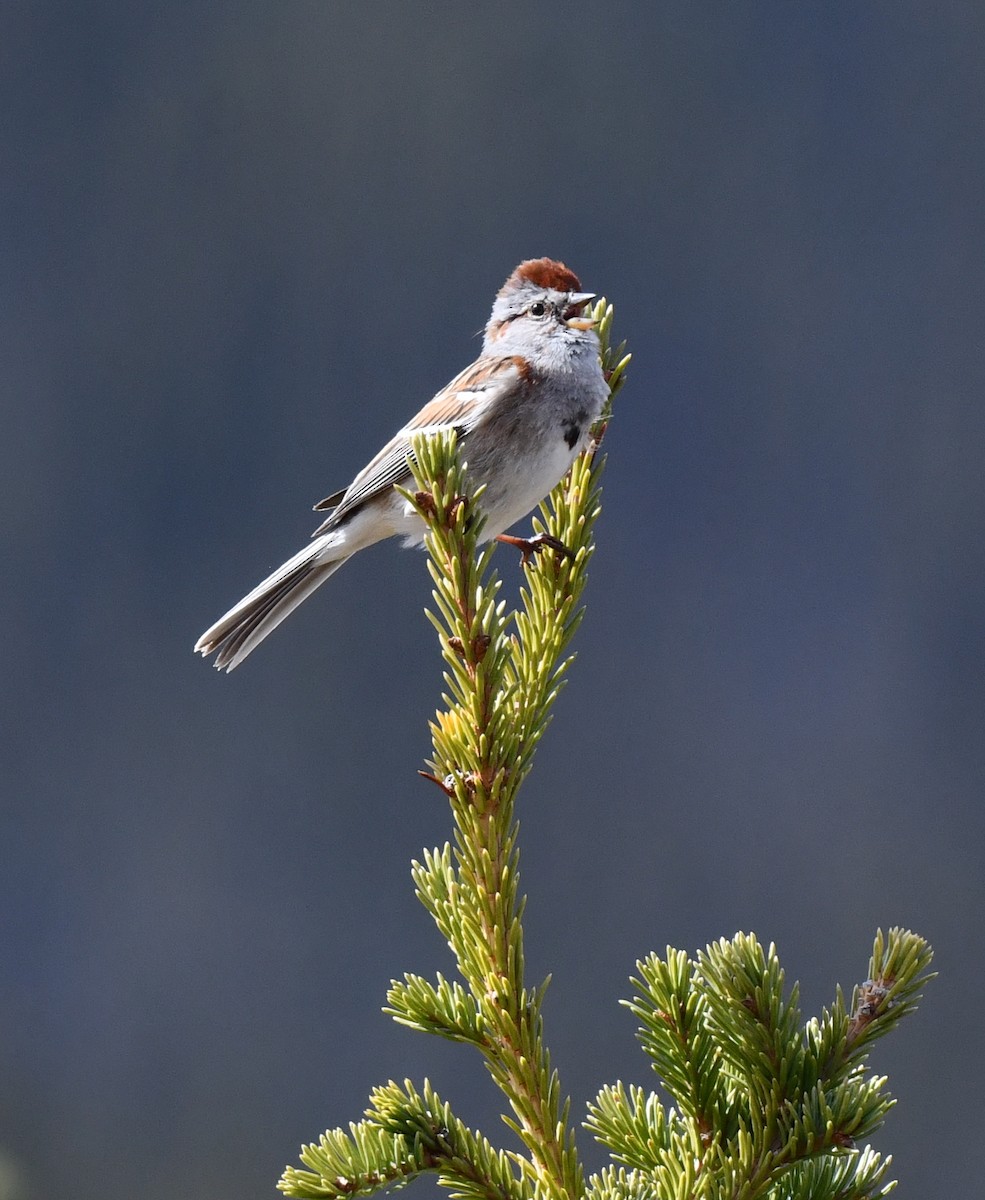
{"type": "Point", "coordinates": [240, 244]}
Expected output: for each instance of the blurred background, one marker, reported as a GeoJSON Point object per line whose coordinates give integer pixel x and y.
{"type": "Point", "coordinates": [241, 243]}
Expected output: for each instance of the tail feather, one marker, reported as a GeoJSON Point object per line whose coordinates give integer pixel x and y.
{"type": "Point", "coordinates": [243, 628]}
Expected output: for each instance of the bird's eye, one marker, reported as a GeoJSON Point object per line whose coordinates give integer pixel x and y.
{"type": "Point", "coordinates": [538, 309]}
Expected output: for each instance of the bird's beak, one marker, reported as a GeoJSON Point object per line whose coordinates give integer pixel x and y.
{"type": "Point", "coordinates": [577, 301]}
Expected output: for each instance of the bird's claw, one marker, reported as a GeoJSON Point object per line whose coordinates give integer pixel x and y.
{"type": "Point", "coordinates": [528, 547]}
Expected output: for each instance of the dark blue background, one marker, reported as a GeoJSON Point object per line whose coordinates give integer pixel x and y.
{"type": "Point", "coordinates": [240, 244]}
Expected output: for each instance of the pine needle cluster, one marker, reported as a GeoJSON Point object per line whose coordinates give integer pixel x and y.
{"type": "Point", "coordinates": [762, 1104]}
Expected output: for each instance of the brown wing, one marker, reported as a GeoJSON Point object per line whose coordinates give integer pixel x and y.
{"type": "Point", "coordinates": [461, 405]}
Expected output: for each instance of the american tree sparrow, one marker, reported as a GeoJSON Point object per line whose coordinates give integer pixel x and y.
{"type": "Point", "coordinates": [522, 410]}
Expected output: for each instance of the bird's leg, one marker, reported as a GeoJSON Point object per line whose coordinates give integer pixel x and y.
{"type": "Point", "coordinates": [532, 545]}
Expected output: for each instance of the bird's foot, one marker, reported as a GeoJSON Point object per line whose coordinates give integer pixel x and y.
{"type": "Point", "coordinates": [528, 547]}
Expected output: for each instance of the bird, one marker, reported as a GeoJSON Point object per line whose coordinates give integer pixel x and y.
{"type": "Point", "coordinates": [522, 411]}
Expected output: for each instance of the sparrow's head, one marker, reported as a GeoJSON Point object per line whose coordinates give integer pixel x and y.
{"type": "Point", "coordinates": [540, 307]}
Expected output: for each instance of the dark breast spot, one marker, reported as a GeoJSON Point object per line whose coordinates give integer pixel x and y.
{"type": "Point", "coordinates": [572, 428]}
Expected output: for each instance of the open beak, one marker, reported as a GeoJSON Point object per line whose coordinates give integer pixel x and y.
{"type": "Point", "coordinates": [576, 302]}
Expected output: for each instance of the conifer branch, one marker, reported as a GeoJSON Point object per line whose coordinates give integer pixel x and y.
{"type": "Point", "coordinates": [765, 1106]}
{"type": "Point", "coordinates": [500, 685]}
{"type": "Point", "coordinates": [498, 689]}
